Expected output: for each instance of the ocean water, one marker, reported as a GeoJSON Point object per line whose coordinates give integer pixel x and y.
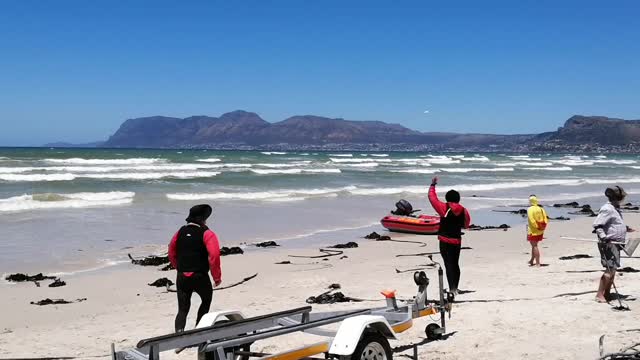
{"type": "Point", "coordinates": [80, 209]}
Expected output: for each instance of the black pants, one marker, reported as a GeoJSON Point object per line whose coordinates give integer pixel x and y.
{"type": "Point", "coordinates": [186, 286]}
{"type": "Point", "coordinates": [451, 255]}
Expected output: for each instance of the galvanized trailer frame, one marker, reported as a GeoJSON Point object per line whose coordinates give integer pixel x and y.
{"type": "Point", "coordinates": [228, 335]}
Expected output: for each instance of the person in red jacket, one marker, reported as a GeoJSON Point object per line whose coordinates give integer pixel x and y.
{"type": "Point", "coordinates": [194, 251]}
{"type": "Point", "coordinates": [453, 218]}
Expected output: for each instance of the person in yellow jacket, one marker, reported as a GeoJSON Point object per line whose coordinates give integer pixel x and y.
{"type": "Point", "coordinates": [537, 223]}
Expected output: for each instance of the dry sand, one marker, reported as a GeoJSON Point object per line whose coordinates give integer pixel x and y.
{"type": "Point", "coordinates": [512, 312]}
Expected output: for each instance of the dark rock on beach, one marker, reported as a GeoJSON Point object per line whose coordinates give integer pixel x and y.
{"type": "Point", "coordinates": [628, 269]}
{"type": "Point", "coordinates": [231, 251]}
{"type": "Point", "coordinates": [384, 238]}
{"type": "Point", "coordinates": [164, 282]}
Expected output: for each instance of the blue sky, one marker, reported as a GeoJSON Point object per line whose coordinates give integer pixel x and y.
{"type": "Point", "coordinates": [74, 70]}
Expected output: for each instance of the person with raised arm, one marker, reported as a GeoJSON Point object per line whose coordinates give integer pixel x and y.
{"type": "Point", "coordinates": [453, 218]}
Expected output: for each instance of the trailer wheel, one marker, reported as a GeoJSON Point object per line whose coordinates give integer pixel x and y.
{"type": "Point", "coordinates": [372, 346]}
{"type": "Point", "coordinates": [433, 331]}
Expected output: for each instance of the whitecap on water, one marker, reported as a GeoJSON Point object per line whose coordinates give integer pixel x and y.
{"type": "Point", "coordinates": [61, 201]}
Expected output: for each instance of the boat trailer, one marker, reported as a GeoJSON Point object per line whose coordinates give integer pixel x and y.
{"type": "Point", "coordinates": [362, 334]}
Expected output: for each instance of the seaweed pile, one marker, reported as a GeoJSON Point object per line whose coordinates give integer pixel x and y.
{"type": "Point", "coordinates": [163, 282]}
{"type": "Point", "coordinates": [151, 260]}
{"type": "Point", "coordinates": [48, 301]}
{"type": "Point", "coordinates": [18, 277]}
{"type": "Point", "coordinates": [331, 297]}
{"type": "Point", "coordinates": [577, 256]}
{"type": "Point", "coordinates": [475, 227]}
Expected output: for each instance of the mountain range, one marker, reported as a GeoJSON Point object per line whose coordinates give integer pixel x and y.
{"type": "Point", "coordinates": [242, 129]}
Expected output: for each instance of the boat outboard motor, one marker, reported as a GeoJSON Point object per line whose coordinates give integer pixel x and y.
{"type": "Point", "coordinates": [403, 208]}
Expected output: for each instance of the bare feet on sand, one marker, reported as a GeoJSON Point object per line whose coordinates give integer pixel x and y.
{"type": "Point", "coordinates": [601, 300]}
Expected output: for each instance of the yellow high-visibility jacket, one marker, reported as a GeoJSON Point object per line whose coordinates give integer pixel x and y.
{"type": "Point", "coordinates": [538, 220]}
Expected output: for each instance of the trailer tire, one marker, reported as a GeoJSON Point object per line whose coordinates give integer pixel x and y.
{"type": "Point", "coordinates": [372, 346]}
{"type": "Point", "coordinates": [433, 331]}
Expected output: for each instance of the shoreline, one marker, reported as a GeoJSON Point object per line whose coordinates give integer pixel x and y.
{"type": "Point", "coordinates": [509, 303]}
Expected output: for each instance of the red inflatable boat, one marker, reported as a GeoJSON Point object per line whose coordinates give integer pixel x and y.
{"type": "Point", "coordinates": [423, 224]}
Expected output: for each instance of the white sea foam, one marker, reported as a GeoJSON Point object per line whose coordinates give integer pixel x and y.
{"type": "Point", "coordinates": [59, 201]}
{"type": "Point", "coordinates": [380, 155]}
{"type": "Point", "coordinates": [534, 164]}
{"type": "Point", "coordinates": [466, 170]}
{"type": "Point", "coordinates": [80, 161]}
{"type": "Point", "coordinates": [365, 165]}
{"type": "Point", "coordinates": [574, 162]}
{"type": "Point", "coordinates": [523, 157]}
{"type": "Point", "coordinates": [261, 195]}
{"type": "Point", "coordinates": [551, 168]}
{"type": "Point", "coordinates": [279, 165]}
{"type": "Point", "coordinates": [273, 153]}
{"type": "Point", "coordinates": [615, 162]}
{"type": "Point", "coordinates": [323, 171]}
{"type": "Point", "coordinates": [359, 160]}
{"type": "Point", "coordinates": [440, 161]}
{"type": "Point", "coordinates": [507, 164]}
{"type": "Point", "coordinates": [210, 160]}
{"type": "Point", "coordinates": [416, 171]}
{"type": "Point", "coordinates": [475, 158]}
{"type": "Point", "coordinates": [152, 175]}
{"type": "Point", "coordinates": [15, 170]}
{"type": "Point", "coordinates": [293, 171]}
{"type": "Point", "coordinates": [342, 155]}
{"type": "Point", "coordinates": [36, 177]}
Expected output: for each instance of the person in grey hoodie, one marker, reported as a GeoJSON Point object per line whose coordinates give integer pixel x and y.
{"type": "Point", "coordinates": [609, 227]}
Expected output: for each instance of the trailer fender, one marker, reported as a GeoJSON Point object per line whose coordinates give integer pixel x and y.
{"type": "Point", "coordinates": [211, 318]}
{"type": "Point", "coordinates": [351, 330]}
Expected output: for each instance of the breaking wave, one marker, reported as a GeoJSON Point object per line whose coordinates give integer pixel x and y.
{"type": "Point", "coordinates": [294, 171]}
{"type": "Point", "coordinates": [466, 170]}
{"type": "Point", "coordinates": [81, 161]}
{"type": "Point", "coordinates": [260, 195]}
{"type": "Point", "coordinates": [60, 201]}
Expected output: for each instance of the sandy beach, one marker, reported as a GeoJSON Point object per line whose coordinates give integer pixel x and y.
{"type": "Point", "coordinates": [510, 311]}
